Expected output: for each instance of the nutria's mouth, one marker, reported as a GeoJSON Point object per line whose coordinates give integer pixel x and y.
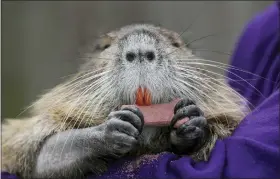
{"type": "Point", "coordinates": [143, 97]}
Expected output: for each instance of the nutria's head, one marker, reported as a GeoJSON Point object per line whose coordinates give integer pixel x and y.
{"type": "Point", "coordinates": [142, 56]}
{"type": "Point", "coordinates": [146, 57]}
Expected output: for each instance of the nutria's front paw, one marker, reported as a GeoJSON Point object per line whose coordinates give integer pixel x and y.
{"type": "Point", "coordinates": [189, 136]}
{"type": "Point", "coordinates": [122, 130]}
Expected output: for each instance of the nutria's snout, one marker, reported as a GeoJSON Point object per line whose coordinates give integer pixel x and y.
{"type": "Point", "coordinates": [144, 56]}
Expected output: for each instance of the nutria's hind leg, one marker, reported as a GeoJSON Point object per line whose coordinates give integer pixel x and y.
{"type": "Point", "coordinates": [194, 133]}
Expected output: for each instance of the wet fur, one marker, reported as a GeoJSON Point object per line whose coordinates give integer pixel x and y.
{"type": "Point", "coordinates": [68, 106]}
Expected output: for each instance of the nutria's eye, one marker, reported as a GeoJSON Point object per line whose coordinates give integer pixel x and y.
{"type": "Point", "coordinates": [106, 46]}
{"type": "Point", "coordinates": [103, 43]}
{"type": "Point", "coordinates": [102, 46]}
{"type": "Point", "coordinates": [175, 44]}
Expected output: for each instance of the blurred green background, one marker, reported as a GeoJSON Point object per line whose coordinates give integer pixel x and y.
{"type": "Point", "coordinates": [41, 40]}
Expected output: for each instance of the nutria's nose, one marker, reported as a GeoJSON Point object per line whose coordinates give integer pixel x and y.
{"type": "Point", "coordinates": [149, 56]}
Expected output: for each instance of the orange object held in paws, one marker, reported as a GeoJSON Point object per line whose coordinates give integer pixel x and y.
{"type": "Point", "coordinates": [143, 97]}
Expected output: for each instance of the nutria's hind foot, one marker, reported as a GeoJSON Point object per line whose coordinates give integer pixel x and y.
{"type": "Point", "coordinates": [190, 136]}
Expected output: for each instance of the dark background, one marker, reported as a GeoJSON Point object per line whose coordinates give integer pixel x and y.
{"type": "Point", "coordinates": [41, 40]}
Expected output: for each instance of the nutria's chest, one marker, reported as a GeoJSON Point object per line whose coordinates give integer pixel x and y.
{"type": "Point", "coordinates": [152, 140]}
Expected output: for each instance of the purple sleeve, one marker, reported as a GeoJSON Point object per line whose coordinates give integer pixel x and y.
{"type": "Point", "coordinates": [257, 52]}
{"type": "Point", "coordinates": [253, 150]}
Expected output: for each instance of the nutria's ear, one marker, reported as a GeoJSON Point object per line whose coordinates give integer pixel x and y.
{"type": "Point", "coordinates": [103, 42]}
{"type": "Point", "coordinates": [175, 39]}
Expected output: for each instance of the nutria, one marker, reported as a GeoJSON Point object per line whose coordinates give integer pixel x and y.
{"type": "Point", "coordinates": [79, 125]}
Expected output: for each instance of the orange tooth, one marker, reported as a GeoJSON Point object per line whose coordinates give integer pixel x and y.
{"type": "Point", "coordinates": [139, 97]}
{"type": "Point", "coordinates": [143, 98]}
{"type": "Point", "coordinates": [147, 97]}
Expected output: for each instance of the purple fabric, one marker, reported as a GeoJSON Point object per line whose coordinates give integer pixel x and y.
{"type": "Point", "coordinates": [253, 150]}
{"type": "Point", "coordinates": [258, 52]}
{"type": "Point", "coordinates": [6, 175]}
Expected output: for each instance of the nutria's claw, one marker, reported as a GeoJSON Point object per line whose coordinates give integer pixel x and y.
{"type": "Point", "coordinates": [183, 103]}
{"type": "Point", "coordinates": [185, 108]}
{"type": "Point", "coordinates": [192, 134]}
{"type": "Point", "coordinates": [122, 130]}
{"type": "Point", "coordinates": [136, 111]}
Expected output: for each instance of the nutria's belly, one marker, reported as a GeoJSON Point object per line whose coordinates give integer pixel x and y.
{"type": "Point", "coordinates": [152, 140]}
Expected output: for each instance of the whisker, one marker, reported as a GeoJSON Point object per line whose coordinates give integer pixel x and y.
{"type": "Point", "coordinates": [106, 96]}
{"type": "Point", "coordinates": [197, 98]}
{"type": "Point", "coordinates": [91, 87]}
{"type": "Point", "coordinates": [89, 71]}
{"type": "Point", "coordinates": [215, 51]}
{"type": "Point", "coordinates": [191, 24]}
{"type": "Point", "coordinates": [222, 85]}
{"type": "Point", "coordinates": [77, 120]}
{"type": "Point", "coordinates": [98, 82]}
{"type": "Point", "coordinates": [191, 63]}
{"type": "Point", "coordinates": [90, 103]}
{"type": "Point", "coordinates": [78, 78]}
{"type": "Point", "coordinates": [195, 40]}
{"type": "Point", "coordinates": [223, 65]}
{"type": "Point", "coordinates": [71, 92]}
{"type": "Point", "coordinates": [201, 38]}
{"type": "Point", "coordinates": [212, 79]}
{"type": "Point", "coordinates": [33, 104]}
{"type": "Point", "coordinates": [102, 94]}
